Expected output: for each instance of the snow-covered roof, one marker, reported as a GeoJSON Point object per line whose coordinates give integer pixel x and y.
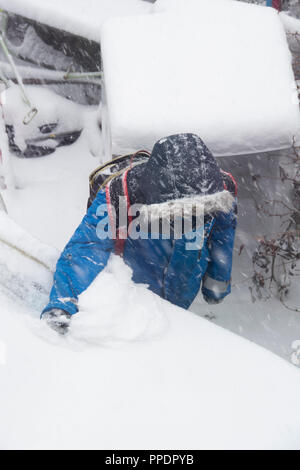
{"type": "Point", "coordinates": [82, 17]}
{"type": "Point", "coordinates": [218, 68]}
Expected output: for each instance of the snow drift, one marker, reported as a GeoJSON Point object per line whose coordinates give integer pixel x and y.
{"type": "Point", "coordinates": [220, 69]}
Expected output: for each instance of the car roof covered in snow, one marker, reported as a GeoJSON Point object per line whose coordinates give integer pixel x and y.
{"type": "Point", "coordinates": [218, 68]}
{"type": "Point", "coordinates": [81, 17]}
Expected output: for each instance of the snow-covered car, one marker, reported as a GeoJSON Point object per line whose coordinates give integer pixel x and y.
{"type": "Point", "coordinates": [55, 45]}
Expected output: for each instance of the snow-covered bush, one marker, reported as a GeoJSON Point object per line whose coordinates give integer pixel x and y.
{"type": "Point", "coordinates": [276, 261]}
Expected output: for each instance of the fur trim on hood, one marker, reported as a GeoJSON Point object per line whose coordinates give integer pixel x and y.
{"type": "Point", "coordinates": [208, 204]}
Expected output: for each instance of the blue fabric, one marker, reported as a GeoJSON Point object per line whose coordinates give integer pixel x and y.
{"type": "Point", "coordinates": [220, 248]}
{"type": "Point", "coordinates": [164, 265]}
{"type": "Point", "coordinates": [82, 260]}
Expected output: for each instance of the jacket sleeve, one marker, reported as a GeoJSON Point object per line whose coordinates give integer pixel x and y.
{"type": "Point", "coordinates": [84, 257]}
{"type": "Point", "coordinates": [217, 280]}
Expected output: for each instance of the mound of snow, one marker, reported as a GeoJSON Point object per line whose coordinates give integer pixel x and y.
{"type": "Point", "coordinates": [83, 18]}
{"type": "Point", "coordinates": [138, 372]}
{"type": "Point", "coordinates": [221, 69]}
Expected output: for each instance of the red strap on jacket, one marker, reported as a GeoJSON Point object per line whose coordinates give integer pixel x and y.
{"type": "Point", "coordinates": [233, 180]}
{"type": "Point", "coordinates": [120, 235]}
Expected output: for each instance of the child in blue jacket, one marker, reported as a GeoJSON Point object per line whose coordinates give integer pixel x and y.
{"type": "Point", "coordinates": [180, 171]}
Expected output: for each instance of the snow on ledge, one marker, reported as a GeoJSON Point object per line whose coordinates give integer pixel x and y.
{"type": "Point", "coordinates": [221, 69]}
{"type": "Point", "coordinates": [81, 17]}
{"type": "Point", "coordinates": [291, 25]}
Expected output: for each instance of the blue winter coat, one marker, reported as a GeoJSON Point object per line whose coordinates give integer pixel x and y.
{"type": "Point", "coordinates": [165, 266]}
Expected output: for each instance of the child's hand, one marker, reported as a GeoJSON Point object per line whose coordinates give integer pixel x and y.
{"type": "Point", "coordinates": [58, 320]}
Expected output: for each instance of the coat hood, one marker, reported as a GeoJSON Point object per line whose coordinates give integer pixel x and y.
{"type": "Point", "coordinates": [182, 170]}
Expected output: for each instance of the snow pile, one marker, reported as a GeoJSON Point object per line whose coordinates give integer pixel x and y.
{"type": "Point", "coordinates": [78, 17]}
{"type": "Point", "coordinates": [140, 317]}
{"type": "Point", "coordinates": [190, 385]}
{"type": "Point", "coordinates": [208, 67]}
